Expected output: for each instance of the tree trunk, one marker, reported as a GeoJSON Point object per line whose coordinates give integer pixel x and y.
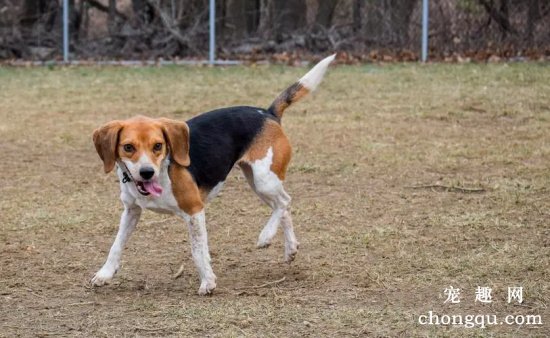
{"type": "Point", "coordinates": [144, 12]}
{"type": "Point", "coordinates": [39, 10]}
{"type": "Point", "coordinates": [111, 18]}
{"type": "Point", "coordinates": [533, 15]}
{"type": "Point", "coordinates": [401, 12]}
{"type": "Point", "coordinates": [32, 10]}
{"type": "Point", "coordinates": [235, 18]}
{"type": "Point", "coordinates": [505, 14]}
{"type": "Point", "coordinates": [289, 15]}
{"type": "Point", "coordinates": [357, 15]}
{"type": "Point", "coordinates": [253, 15]}
{"type": "Point", "coordinates": [265, 26]}
{"type": "Point", "coordinates": [85, 20]}
{"type": "Point", "coordinates": [389, 20]}
{"type": "Point", "coordinates": [75, 20]}
{"type": "Point", "coordinates": [242, 17]}
{"type": "Point", "coordinates": [325, 12]}
{"type": "Point", "coordinates": [499, 16]}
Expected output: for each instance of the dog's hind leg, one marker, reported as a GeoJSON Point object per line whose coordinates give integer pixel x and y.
{"type": "Point", "coordinates": [291, 243]}
{"type": "Point", "coordinates": [269, 187]}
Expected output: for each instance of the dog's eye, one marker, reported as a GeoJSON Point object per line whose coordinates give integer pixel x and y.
{"type": "Point", "coordinates": [129, 148]}
{"type": "Point", "coordinates": [157, 147]}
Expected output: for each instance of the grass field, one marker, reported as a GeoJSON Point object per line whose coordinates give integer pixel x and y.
{"type": "Point", "coordinates": [381, 237]}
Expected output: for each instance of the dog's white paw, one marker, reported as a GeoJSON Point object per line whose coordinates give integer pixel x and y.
{"type": "Point", "coordinates": [207, 286]}
{"type": "Point", "coordinates": [266, 236]}
{"type": "Point", "coordinates": [263, 243]}
{"type": "Point", "coordinates": [291, 249]}
{"type": "Point", "coordinates": [103, 276]}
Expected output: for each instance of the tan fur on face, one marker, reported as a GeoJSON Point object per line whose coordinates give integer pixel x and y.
{"type": "Point", "coordinates": [272, 135]}
{"type": "Point", "coordinates": [143, 134]}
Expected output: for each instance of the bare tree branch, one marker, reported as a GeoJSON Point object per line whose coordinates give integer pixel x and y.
{"type": "Point", "coordinates": [171, 28]}
{"type": "Point", "coordinates": [498, 16]}
{"type": "Point", "coordinates": [98, 5]}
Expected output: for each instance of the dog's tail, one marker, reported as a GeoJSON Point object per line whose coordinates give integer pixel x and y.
{"type": "Point", "coordinates": [306, 84]}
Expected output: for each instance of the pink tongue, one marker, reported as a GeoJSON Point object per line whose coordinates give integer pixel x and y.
{"type": "Point", "coordinates": [153, 188]}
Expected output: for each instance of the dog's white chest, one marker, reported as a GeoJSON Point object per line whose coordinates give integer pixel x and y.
{"type": "Point", "coordinates": [159, 204]}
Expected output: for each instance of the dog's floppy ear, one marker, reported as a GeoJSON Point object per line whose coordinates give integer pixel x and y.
{"type": "Point", "coordinates": [176, 134]}
{"type": "Point", "coordinates": [106, 142]}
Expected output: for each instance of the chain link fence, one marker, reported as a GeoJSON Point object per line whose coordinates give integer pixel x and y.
{"type": "Point", "coordinates": [270, 29]}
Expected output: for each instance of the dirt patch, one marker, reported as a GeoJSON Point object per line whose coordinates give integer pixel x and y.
{"type": "Point", "coordinates": [375, 253]}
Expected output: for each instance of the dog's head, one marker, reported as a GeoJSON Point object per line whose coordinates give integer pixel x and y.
{"type": "Point", "coordinates": [142, 144]}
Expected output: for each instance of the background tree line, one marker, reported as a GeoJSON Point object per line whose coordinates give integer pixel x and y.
{"type": "Point", "coordinates": [31, 29]}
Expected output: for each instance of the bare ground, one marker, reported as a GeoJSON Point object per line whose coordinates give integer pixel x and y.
{"type": "Point", "coordinates": [380, 156]}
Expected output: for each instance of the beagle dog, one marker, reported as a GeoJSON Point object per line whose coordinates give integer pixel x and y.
{"type": "Point", "coordinates": [176, 167]}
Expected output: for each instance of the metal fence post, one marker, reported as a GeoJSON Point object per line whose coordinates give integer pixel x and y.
{"type": "Point", "coordinates": [424, 30]}
{"type": "Point", "coordinates": [65, 31]}
{"type": "Point", "coordinates": [212, 51]}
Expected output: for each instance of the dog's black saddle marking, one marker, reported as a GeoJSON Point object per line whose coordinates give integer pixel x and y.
{"type": "Point", "coordinates": [219, 138]}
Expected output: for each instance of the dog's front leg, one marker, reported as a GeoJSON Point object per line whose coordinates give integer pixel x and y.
{"type": "Point", "coordinates": [199, 248]}
{"type": "Point", "coordinates": [128, 222]}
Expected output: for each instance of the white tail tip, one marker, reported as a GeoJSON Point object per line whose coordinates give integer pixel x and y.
{"type": "Point", "coordinates": [312, 79]}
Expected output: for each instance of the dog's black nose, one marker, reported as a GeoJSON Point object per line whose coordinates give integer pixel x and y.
{"type": "Point", "coordinates": [147, 172]}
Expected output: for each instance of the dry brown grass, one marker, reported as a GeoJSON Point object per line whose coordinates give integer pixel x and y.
{"type": "Point", "coordinates": [375, 253]}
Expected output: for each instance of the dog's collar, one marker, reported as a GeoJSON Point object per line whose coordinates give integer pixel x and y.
{"type": "Point", "coordinates": [126, 176]}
